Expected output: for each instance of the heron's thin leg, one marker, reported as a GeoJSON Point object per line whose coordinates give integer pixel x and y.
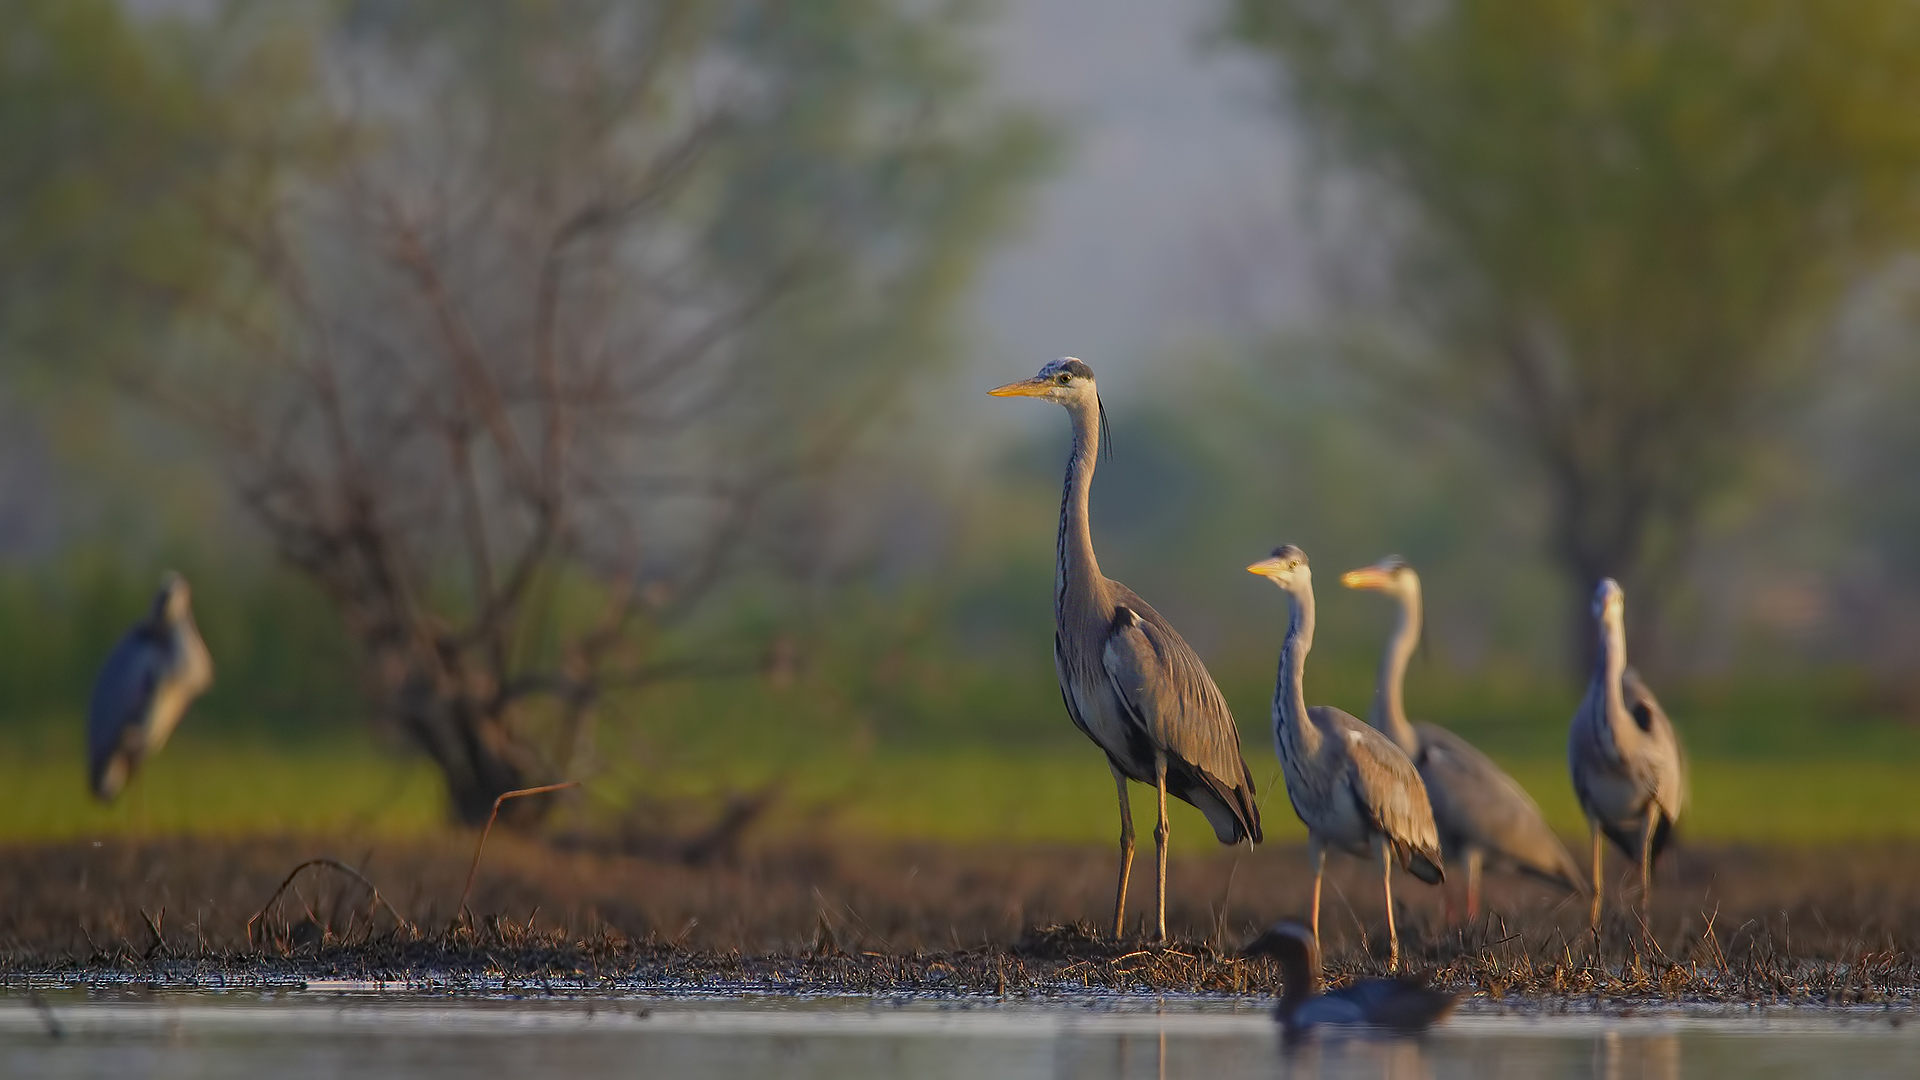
{"type": "Point", "coordinates": [1646, 862]}
{"type": "Point", "coordinates": [1318, 853]}
{"type": "Point", "coordinates": [1593, 826]}
{"type": "Point", "coordinates": [1386, 886]}
{"type": "Point", "coordinates": [1473, 883]}
{"type": "Point", "coordinates": [1160, 844]}
{"type": "Point", "coordinates": [1126, 853]}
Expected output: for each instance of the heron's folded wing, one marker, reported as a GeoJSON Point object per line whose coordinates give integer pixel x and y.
{"type": "Point", "coordinates": [1167, 691]}
{"type": "Point", "coordinates": [1385, 783]}
{"type": "Point", "coordinates": [122, 693]}
{"type": "Point", "coordinates": [1669, 764]}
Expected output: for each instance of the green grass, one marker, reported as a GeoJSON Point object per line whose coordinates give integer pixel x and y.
{"type": "Point", "coordinates": [979, 797]}
{"type": "Point", "coordinates": [204, 786]}
{"type": "Point", "coordinates": [968, 794]}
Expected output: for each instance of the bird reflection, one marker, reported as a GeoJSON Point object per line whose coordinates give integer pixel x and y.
{"type": "Point", "coordinates": [1639, 1057]}
{"type": "Point", "coordinates": [1127, 1062]}
{"type": "Point", "coordinates": [1356, 1058]}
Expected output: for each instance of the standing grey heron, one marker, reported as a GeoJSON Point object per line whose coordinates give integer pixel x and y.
{"type": "Point", "coordinates": [1484, 815]}
{"type": "Point", "coordinates": [1130, 682]}
{"type": "Point", "coordinates": [1403, 1006]}
{"type": "Point", "coordinates": [1629, 771]}
{"type": "Point", "coordinates": [1353, 788]}
{"type": "Point", "coordinates": [148, 681]}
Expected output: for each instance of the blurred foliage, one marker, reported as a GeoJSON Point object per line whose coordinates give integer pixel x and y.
{"type": "Point", "coordinates": [119, 134]}
{"type": "Point", "coordinates": [717, 227]}
{"type": "Point", "coordinates": [101, 134]}
{"type": "Point", "coordinates": [1615, 231]}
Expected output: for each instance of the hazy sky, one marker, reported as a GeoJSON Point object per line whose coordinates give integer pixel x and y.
{"type": "Point", "coordinates": [1168, 215]}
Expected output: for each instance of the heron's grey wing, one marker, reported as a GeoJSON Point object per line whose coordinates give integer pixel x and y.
{"type": "Point", "coordinates": [1476, 803]}
{"type": "Point", "coordinates": [1667, 762]}
{"type": "Point", "coordinates": [1167, 690]}
{"type": "Point", "coordinates": [123, 695]}
{"type": "Point", "coordinates": [1388, 788]}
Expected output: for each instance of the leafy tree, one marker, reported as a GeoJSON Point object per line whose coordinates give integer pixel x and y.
{"type": "Point", "coordinates": [115, 136]}
{"type": "Point", "coordinates": [1615, 229]}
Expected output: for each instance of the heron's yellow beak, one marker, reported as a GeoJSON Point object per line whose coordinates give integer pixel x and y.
{"type": "Point", "coordinates": [1367, 577]}
{"type": "Point", "coordinates": [1265, 567]}
{"type": "Point", "coordinates": [1034, 387]}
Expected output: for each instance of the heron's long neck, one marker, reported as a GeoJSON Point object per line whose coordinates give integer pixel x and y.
{"type": "Point", "coordinates": [1389, 710]}
{"type": "Point", "coordinates": [1077, 572]}
{"type": "Point", "coordinates": [1609, 668]}
{"type": "Point", "coordinates": [1289, 691]}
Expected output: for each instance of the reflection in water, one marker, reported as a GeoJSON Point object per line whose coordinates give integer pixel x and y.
{"type": "Point", "coordinates": [1643, 1057]}
{"type": "Point", "coordinates": [294, 1036]}
{"type": "Point", "coordinates": [1384, 1059]}
{"type": "Point", "coordinates": [1130, 1063]}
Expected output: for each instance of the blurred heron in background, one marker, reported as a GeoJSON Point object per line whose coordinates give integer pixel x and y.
{"type": "Point", "coordinates": [144, 688]}
{"type": "Point", "coordinates": [1130, 683]}
{"type": "Point", "coordinates": [1629, 771]}
{"type": "Point", "coordinates": [1483, 814]}
{"type": "Point", "coordinates": [1353, 788]}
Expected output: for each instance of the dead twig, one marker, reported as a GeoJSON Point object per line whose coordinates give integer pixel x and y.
{"type": "Point", "coordinates": [482, 844]}
{"type": "Point", "coordinates": [335, 864]}
{"type": "Point", "coordinates": [153, 926]}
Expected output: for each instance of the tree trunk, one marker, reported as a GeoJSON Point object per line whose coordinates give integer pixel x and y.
{"type": "Point", "coordinates": [476, 754]}
{"type": "Point", "coordinates": [1590, 544]}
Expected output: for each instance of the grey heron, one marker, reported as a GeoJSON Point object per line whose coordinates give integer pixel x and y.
{"type": "Point", "coordinates": [1484, 815]}
{"type": "Point", "coordinates": [1629, 771]}
{"type": "Point", "coordinates": [1353, 788]}
{"type": "Point", "coordinates": [1130, 682]}
{"type": "Point", "coordinates": [1402, 1005]}
{"type": "Point", "coordinates": [145, 686]}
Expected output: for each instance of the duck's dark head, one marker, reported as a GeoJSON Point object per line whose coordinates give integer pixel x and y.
{"type": "Point", "coordinates": [1291, 944]}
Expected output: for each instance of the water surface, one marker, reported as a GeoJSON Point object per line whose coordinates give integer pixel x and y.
{"type": "Point", "coordinates": [322, 1032]}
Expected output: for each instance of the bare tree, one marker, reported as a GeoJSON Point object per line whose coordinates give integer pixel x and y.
{"type": "Point", "coordinates": [587, 294]}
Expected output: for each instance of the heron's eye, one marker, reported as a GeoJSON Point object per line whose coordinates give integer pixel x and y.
{"type": "Point", "coordinates": [1063, 378]}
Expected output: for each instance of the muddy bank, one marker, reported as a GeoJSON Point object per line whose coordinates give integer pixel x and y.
{"type": "Point", "coordinates": [1829, 926]}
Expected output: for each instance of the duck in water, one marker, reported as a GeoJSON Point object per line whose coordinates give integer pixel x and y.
{"type": "Point", "coordinates": [1402, 1005]}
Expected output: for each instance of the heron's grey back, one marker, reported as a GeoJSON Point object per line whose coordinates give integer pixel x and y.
{"type": "Point", "coordinates": [1476, 803]}
{"type": "Point", "coordinates": [1666, 765]}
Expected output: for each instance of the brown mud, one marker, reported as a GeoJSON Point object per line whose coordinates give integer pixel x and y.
{"type": "Point", "coordinates": [1825, 927]}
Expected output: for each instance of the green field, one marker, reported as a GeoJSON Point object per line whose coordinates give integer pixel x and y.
{"type": "Point", "coordinates": [969, 795]}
